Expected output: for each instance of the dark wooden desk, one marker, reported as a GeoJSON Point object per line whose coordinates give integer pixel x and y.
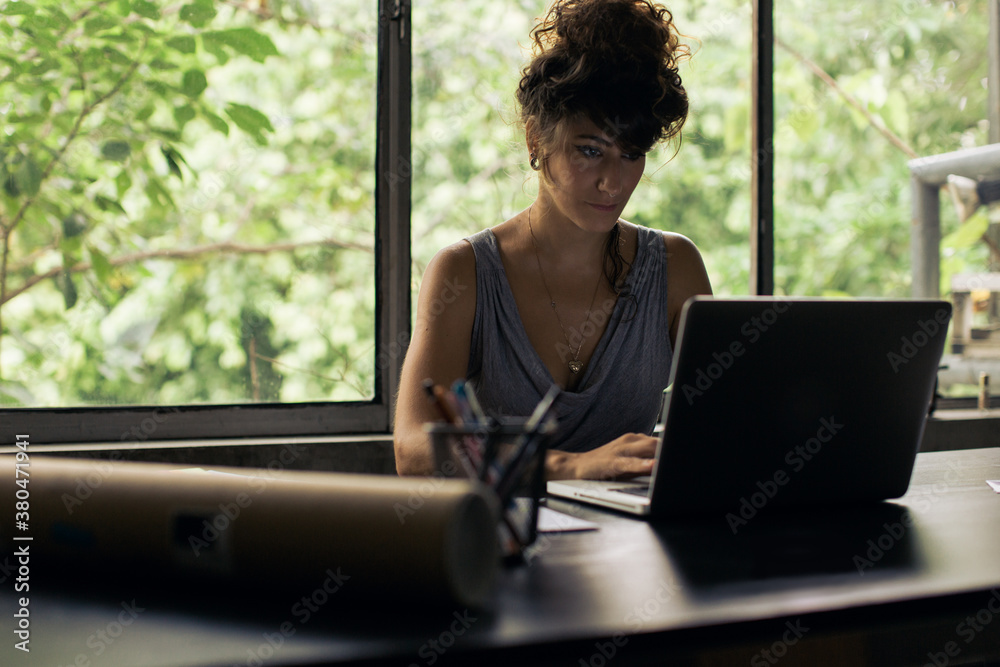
{"type": "Point", "coordinates": [916, 582]}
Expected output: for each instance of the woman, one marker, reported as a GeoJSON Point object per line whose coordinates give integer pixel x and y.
{"type": "Point", "coordinates": [566, 291]}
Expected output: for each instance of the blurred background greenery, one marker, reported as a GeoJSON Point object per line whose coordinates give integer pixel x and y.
{"type": "Point", "coordinates": [188, 190]}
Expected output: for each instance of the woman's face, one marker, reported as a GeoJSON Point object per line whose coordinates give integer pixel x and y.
{"type": "Point", "coordinates": [588, 177]}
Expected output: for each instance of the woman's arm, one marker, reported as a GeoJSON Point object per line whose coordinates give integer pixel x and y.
{"type": "Point", "coordinates": [439, 350]}
{"type": "Point", "coordinates": [630, 455]}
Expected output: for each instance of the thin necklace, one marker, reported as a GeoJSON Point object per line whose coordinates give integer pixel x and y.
{"type": "Point", "coordinates": [574, 364]}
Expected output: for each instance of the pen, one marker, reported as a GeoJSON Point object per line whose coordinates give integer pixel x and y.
{"type": "Point", "coordinates": [467, 450]}
{"type": "Point", "coordinates": [462, 403]}
{"type": "Point", "coordinates": [477, 409]}
{"type": "Point", "coordinates": [437, 395]}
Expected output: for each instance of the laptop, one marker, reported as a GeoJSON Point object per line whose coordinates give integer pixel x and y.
{"type": "Point", "coordinates": [786, 402]}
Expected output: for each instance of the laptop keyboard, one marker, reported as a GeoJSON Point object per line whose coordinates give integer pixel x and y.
{"type": "Point", "coordinates": [634, 490]}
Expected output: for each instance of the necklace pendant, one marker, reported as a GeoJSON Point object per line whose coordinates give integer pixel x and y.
{"type": "Point", "coordinates": [575, 366]}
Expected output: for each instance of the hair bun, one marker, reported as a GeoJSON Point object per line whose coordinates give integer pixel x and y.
{"type": "Point", "coordinates": [614, 61]}
{"type": "Point", "coordinates": [611, 31]}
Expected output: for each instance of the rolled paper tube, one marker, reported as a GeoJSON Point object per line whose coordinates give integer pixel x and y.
{"type": "Point", "coordinates": [430, 537]}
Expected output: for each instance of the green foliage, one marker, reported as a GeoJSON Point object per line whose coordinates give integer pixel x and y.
{"type": "Point", "coordinates": [187, 202]}
{"type": "Point", "coordinates": [187, 198]}
{"type": "Point", "coordinates": [842, 194]}
{"type": "Point", "coordinates": [841, 191]}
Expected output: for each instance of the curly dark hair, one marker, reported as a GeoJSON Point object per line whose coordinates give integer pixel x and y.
{"type": "Point", "coordinates": [612, 61]}
{"type": "Point", "coordinates": [615, 63]}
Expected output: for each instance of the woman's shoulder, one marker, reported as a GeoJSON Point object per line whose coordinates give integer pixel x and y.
{"type": "Point", "coordinates": [685, 266]}
{"type": "Point", "coordinates": [677, 246]}
{"type": "Point", "coordinates": [680, 246]}
{"type": "Point", "coordinates": [453, 262]}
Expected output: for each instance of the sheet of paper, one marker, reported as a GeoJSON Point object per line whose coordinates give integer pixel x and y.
{"type": "Point", "coordinates": [995, 483]}
{"type": "Point", "coordinates": [551, 521]}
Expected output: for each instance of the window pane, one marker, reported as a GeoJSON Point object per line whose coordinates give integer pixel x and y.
{"type": "Point", "coordinates": [470, 162]}
{"type": "Point", "coordinates": [190, 191]}
{"type": "Point", "coordinates": [704, 191]}
{"type": "Point", "coordinates": [467, 150]}
{"type": "Point", "coordinates": [859, 91]}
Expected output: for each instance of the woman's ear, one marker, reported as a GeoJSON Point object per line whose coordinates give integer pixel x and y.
{"type": "Point", "coordinates": [529, 137]}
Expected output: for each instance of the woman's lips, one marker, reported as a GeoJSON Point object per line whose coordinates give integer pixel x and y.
{"type": "Point", "coordinates": [604, 207]}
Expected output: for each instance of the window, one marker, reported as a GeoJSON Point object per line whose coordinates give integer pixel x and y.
{"type": "Point", "coordinates": [206, 208]}
{"type": "Point", "coordinates": [189, 218]}
{"type": "Point", "coordinates": [902, 80]}
{"type": "Point", "coordinates": [470, 162]}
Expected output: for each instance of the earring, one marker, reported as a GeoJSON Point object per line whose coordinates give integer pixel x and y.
{"type": "Point", "coordinates": [534, 162]}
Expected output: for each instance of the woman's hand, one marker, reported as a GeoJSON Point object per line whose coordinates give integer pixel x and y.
{"type": "Point", "coordinates": [630, 455]}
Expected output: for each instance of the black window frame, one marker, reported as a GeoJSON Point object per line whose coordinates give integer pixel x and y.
{"type": "Point", "coordinates": [392, 274]}
{"type": "Point", "coordinates": [392, 320]}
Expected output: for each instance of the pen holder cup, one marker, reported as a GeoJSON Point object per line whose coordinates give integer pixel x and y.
{"type": "Point", "coordinates": [508, 459]}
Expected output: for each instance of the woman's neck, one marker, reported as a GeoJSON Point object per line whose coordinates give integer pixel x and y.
{"type": "Point", "coordinates": [559, 238]}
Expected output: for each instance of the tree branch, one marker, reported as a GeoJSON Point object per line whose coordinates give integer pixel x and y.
{"type": "Point", "coordinates": [850, 99]}
{"type": "Point", "coordinates": [185, 254]}
{"type": "Point", "coordinates": [75, 21]}
{"type": "Point", "coordinates": [84, 113]}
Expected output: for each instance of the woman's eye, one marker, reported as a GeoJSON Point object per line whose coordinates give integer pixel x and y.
{"type": "Point", "coordinates": [589, 151]}
{"type": "Point", "coordinates": [632, 157]}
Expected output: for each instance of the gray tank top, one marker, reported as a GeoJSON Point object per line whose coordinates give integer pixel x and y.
{"type": "Point", "coordinates": [622, 385]}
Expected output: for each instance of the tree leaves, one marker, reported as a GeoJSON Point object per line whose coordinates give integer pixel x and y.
{"type": "Point", "coordinates": [73, 225]}
{"type": "Point", "coordinates": [198, 13]}
{"type": "Point", "coordinates": [194, 83]}
{"type": "Point", "coordinates": [249, 120]}
{"type": "Point", "coordinates": [116, 151]}
{"type": "Point", "coordinates": [174, 158]}
{"type": "Point", "coordinates": [28, 177]}
{"type": "Point", "coordinates": [182, 43]}
{"type": "Point", "coordinates": [103, 269]}
{"type": "Point", "coordinates": [246, 41]}
{"type": "Point", "coordinates": [217, 123]}
{"type": "Point", "coordinates": [68, 289]}
{"type": "Point", "coordinates": [17, 8]}
{"type": "Point", "coordinates": [99, 24]}
{"type": "Point", "coordinates": [968, 233]}
{"type": "Point", "coordinates": [146, 9]}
